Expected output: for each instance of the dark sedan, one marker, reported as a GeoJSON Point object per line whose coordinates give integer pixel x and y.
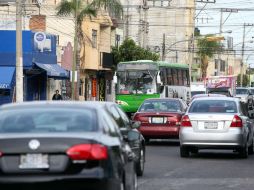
{"type": "Point", "coordinates": [160, 117]}
{"type": "Point", "coordinates": [130, 134]}
{"type": "Point", "coordinates": [77, 143]}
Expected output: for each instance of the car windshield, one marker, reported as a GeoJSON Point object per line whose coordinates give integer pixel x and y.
{"type": "Point", "coordinates": [137, 82]}
{"type": "Point", "coordinates": [160, 106]}
{"type": "Point", "coordinates": [213, 106]}
{"type": "Point", "coordinates": [47, 120]}
{"type": "Point", "coordinates": [242, 91]}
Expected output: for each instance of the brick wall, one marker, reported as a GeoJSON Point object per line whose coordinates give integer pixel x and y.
{"type": "Point", "coordinates": [38, 23]}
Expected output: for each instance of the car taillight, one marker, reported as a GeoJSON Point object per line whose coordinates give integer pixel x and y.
{"type": "Point", "coordinates": [140, 118]}
{"type": "Point", "coordinates": [1, 154]}
{"type": "Point", "coordinates": [88, 152]}
{"type": "Point", "coordinates": [236, 122]}
{"type": "Point", "coordinates": [174, 121]}
{"type": "Point", "coordinates": [186, 121]}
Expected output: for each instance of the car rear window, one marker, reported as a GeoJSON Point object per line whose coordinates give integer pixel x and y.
{"type": "Point", "coordinates": [242, 91]}
{"type": "Point", "coordinates": [213, 106]}
{"type": "Point", "coordinates": [160, 106]}
{"type": "Point", "coordinates": [47, 120]}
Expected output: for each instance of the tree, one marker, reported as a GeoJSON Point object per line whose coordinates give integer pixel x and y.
{"type": "Point", "coordinates": [80, 9]}
{"type": "Point", "coordinates": [245, 80]}
{"type": "Point", "coordinates": [207, 49]}
{"type": "Point", "coordinates": [129, 51]}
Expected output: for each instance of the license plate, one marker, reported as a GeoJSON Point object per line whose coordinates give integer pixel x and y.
{"type": "Point", "coordinates": [34, 161]}
{"type": "Point", "coordinates": [211, 125]}
{"type": "Point", "coordinates": [157, 119]}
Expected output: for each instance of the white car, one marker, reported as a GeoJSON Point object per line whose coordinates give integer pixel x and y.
{"type": "Point", "coordinates": [245, 96]}
{"type": "Point", "coordinates": [216, 123]}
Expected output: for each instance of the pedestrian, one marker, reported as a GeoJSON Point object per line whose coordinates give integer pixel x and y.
{"type": "Point", "coordinates": [57, 96]}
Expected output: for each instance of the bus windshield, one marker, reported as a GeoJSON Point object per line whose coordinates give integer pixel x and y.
{"type": "Point", "coordinates": [137, 82]}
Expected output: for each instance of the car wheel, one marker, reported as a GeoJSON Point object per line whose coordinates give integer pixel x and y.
{"type": "Point", "coordinates": [250, 149]}
{"type": "Point", "coordinates": [243, 153]}
{"type": "Point", "coordinates": [141, 162]}
{"type": "Point", "coordinates": [184, 151]}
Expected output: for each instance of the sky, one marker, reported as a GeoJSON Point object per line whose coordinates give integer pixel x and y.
{"type": "Point", "coordinates": [208, 21]}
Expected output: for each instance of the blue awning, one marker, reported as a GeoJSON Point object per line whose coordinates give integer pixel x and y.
{"type": "Point", "coordinates": [6, 77]}
{"type": "Point", "coordinates": [53, 70]}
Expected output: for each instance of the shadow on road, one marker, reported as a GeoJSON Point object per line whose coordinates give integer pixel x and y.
{"type": "Point", "coordinates": [216, 155]}
{"type": "Point", "coordinates": [163, 143]}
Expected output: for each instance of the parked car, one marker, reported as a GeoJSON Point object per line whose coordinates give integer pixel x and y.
{"type": "Point", "coordinates": [206, 95]}
{"type": "Point", "coordinates": [130, 134]}
{"type": "Point", "coordinates": [64, 142]}
{"type": "Point", "coordinates": [160, 117]}
{"type": "Point", "coordinates": [245, 95]}
{"type": "Point", "coordinates": [216, 123]}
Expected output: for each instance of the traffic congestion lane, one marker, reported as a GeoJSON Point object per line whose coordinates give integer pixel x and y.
{"type": "Point", "coordinates": [210, 169]}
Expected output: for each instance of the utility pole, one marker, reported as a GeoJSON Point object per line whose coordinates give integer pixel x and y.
{"type": "Point", "coordinates": [222, 22]}
{"type": "Point", "coordinates": [220, 32]}
{"type": "Point", "coordinates": [145, 34]}
{"type": "Point", "coordinates": [243, 47]}
{"type": "Point", "coordinates": [127, 21]}
{"type": "Point", "coordinates": [164, 47]}
{"type": "Point", "coordinates": [74, 61]}
{"type": "Point", "coordinates": [19, 53]}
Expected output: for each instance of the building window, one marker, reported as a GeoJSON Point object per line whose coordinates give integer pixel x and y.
{"type": "Point", "coordinates": [94, 38]}
{"type": "Point", "coordinates": [222, 66]}
{"type": "Point", "coordinates": [216, 64]}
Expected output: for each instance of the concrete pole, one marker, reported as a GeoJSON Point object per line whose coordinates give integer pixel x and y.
{"type": "Point", "coordinates": [243, 46]}
{"type": "Point", "coordinates": [164, 47]}
{"type": "Point", "coordinates": [219, 55]}
{"type": "Point", "coordinates": [73, 90]}
{"type": "Point", "coordinates": [19, 55]}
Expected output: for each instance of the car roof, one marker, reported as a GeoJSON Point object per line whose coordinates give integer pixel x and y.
{"type": "Point", "coordinates": [56, 104]}
{"type": "Point", "coordinates": [208, 95]}
{"type": "Point", "coordinates": [218, 98]}
{"type": "Point", "coordinates": [162, 99]}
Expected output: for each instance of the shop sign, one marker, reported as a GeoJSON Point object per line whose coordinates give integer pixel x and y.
{"type": "Point", "coordinates": [94, 88]}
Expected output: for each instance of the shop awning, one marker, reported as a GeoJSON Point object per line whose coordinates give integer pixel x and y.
{"type": "Point", "coordinates": [54, 70]}
{"type": "Point", "coordinates": [6, 77]}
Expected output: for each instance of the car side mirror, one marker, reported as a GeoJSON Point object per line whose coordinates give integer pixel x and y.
{"type": "Point", "coordinates": [135, 124]}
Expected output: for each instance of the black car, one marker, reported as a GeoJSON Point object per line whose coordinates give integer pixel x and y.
{"type": "Point", "coordinates": [130, 134]}
{"type": "Point", "coordinates": [71, 142]}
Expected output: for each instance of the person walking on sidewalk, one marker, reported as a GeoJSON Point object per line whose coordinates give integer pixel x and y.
{"type": "Point", "coordinates": [57, 96]}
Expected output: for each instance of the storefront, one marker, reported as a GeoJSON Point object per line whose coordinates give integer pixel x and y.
{"type": "Point", "coordinates": [39, 63]}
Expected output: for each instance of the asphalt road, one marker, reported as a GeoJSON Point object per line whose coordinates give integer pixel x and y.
{"type": "Point", "coordinates": [209, 170]}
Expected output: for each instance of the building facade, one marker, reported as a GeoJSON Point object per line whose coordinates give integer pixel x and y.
{"type": "Point", "coordinates": [165, 27]}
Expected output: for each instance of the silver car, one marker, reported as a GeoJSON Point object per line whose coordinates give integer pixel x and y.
{"type": "Point", "coordinates": [216, 123]}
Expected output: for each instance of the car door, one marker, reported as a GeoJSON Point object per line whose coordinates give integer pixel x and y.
{"type": "Point", "coordinates": [246, 121]}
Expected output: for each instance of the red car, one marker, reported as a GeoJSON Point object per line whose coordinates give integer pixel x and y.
{"type": "Point", "coordinates": [160, 117]}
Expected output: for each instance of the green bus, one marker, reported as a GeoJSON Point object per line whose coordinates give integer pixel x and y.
{"type": "Point", "coordinates": [143, 79]}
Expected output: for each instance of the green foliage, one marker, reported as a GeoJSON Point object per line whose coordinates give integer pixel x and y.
{"type": "Point", "coordinates": [245, 80]}
{"type": "Point", "coordinates": [129, 51]}
{"type": "Point", "coordinates": [207, 48]}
